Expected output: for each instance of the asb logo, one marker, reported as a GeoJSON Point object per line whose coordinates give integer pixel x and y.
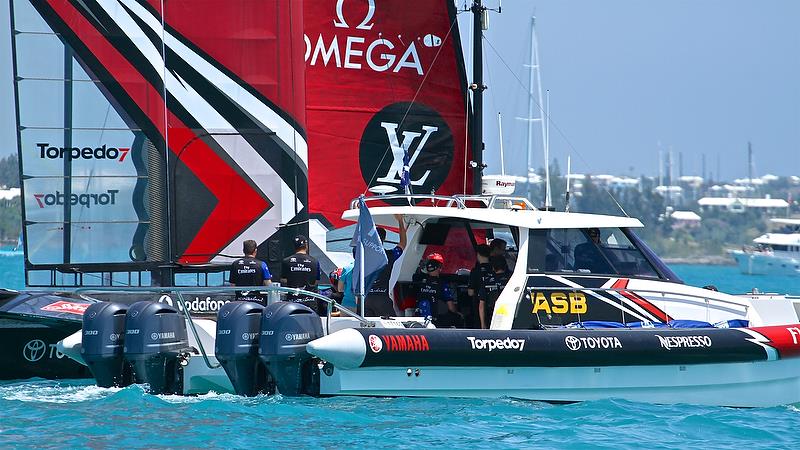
{"type": "Point", "coordinates": [406, 137]}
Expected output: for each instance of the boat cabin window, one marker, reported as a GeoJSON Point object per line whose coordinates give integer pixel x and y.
{"type": "Point", "coordinates": [457, 239]}
{"type": "Point", "coordinates": [607, 251]}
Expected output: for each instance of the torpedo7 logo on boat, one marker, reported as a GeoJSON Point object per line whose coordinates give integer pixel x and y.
{"type": "Point", "coordinates": [496, 344]}
{"type": "Point", "coordinates": [87, 200]}
{"type": "Point", "coordinates": [70, 153]}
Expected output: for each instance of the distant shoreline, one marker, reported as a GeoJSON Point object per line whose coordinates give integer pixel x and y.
{"type": "Point", "coordinates": [714, 260]}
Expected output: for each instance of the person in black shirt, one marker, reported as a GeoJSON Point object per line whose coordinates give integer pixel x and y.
{"type": "Point", "coordinates": [494, 287]}
{"type": "Point", "coordinates": [249, 271]}
{"type": "Point", "coordinates": [480, 276]}
{"type": "Point", "coordinates": [435, 297]}
{"type": "Point", "coordinates": [301, 270]}
{"type": "Point", "coordinates": [377, 302]}
{"type": "Point", "coordinates": [588, 256]}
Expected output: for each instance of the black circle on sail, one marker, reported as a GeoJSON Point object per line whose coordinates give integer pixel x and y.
{"type": "Point", "coordinates": [414, 131]}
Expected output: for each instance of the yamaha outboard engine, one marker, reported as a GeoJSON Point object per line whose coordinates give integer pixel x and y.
{"type": "Point", "coordinates": [102, 344]}
{"type": "Point", "coordinates": [236, 348]}
{"type": "Point", "coordinates": [286, 328]}
{"type": "Point", "coordinates": [155, 346]}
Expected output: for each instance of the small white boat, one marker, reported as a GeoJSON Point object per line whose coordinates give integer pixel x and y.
{"type": "Point", "coordinates": [774, 253]}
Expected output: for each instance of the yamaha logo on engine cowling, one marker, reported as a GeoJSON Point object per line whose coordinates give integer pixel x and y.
{"type": "Point", "coordinates": [406, 137]}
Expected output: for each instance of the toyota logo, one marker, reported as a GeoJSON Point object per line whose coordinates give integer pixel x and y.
{"type": "Point", "coordinates": [573, 343]}
{"type": "Point", "coordinates": [34, 350]}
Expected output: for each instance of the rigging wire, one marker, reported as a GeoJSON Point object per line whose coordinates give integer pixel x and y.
{"type": "Point", "coordinates": [546, 116]}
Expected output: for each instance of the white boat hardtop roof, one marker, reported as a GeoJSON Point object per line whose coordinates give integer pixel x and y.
{"type": "Point", "coordinates": [785, 221]}
{"type": "Point", "coordinates": [511, 211]}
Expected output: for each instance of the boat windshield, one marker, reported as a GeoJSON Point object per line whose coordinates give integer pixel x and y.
{"type": "Point", "coordinates": [606, 251]}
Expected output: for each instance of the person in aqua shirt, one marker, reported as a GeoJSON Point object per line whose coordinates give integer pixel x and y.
{"type": "Point", "coordinates": [345, 286]}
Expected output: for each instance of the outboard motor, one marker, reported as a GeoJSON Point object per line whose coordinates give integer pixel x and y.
{"type": "Point", "coordinates": [156, 345]}
{"type": "Point", "coordinates": [286, 328]}
{"type": "Point", "coordinates": [236, 347]}
{"type": "Point", "coordinates": [102, 344]}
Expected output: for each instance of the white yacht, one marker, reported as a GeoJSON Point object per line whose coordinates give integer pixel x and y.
{"type": "Point", "coordinates": [774, 253]}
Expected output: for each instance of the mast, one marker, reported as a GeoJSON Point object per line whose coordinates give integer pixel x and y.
{"type": "Point", "coordinates": [534, 77]}
{"type": "Point", "coordinates": [478, 13]}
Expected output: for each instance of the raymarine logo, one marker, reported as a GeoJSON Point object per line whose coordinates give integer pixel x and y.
{"type": "Point", "coordinates": [499, 183]}
{"type": "Point", "coordinates": [496, 344]}
{"type": "Point", "coordinates": [71, 153]}
{"type": "Point", "coordinates": [297, 336]}
{"type": "Point", "coordinates": [86, 200]}
{"type": "Point", "coordinates": [592, 342]}
{"type": "Point", "coordinates": [419, 143]}
{"type": "Point", "coordinates": [670, 342]}
{"type": "Point", "coordinates": [377, 50]}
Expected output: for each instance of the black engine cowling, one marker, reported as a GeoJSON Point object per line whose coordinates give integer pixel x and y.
{"type": "Point", "coordinates": [155, 344]}
{"type": "Point", "coordinates": [286, 328]}
{"type": "Point", "coordinates": [102, 344]}
{"type": "Point", "coordinates": [236, 347]}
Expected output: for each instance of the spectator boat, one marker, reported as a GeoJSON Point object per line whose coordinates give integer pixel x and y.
{"type": "Point", "coordinates": [774, 253]}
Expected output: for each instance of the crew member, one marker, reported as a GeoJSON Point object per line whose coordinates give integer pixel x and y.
{"type": "Point", "coordinates": [377, 302]}
{"type": "Point", "coordinates": [588, 255]}
{"type": "Point", "coordinates": [498, 248]}
{"type": "Point", "coordinates": [345, 286]}
{"type": "Point", "coordinates": [301, 270]}
{"type": "Point", "coordinates": [498, 281]}
{"type": "Point", "coordinates": [249, 271]}
{"type": "Point", "coordinates": [480, 276]}
{"type": "Point", "coordinates": [434, 296]}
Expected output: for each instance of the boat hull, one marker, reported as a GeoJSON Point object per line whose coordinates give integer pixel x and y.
{"type": "Point", "coordinates": [29, 350]}
{"type": "Point", "coordinates": [746, 384]}
{"type": "Point", "coordinates": [766, 264]}
{"type": "Point", "coordinates": [747, 367]}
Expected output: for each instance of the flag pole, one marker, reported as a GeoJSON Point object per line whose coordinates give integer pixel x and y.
{"type": "Point", "coordinates": [361, 276]}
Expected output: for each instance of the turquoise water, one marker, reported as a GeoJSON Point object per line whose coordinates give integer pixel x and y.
{"type": "Point", "coordinates": [67, 414]}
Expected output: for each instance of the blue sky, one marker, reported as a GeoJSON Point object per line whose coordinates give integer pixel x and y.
{"type": "Point", "coordinates": [625, 75]}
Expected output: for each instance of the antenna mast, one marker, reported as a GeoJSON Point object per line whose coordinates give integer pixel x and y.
{"type": "Point", "coordinates": [534, 79]}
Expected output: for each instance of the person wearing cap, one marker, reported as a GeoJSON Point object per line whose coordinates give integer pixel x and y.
{"type": "Point", "coordinates": [377, 302]}
{"type": "Point", "coordinates": [435, 298]}
{"type": "Point", "coordinates": [249, 271]}
{"type": "Point", "coordinates": [588, 256]}
{"type": "Point", "coordinates": [302, 271]}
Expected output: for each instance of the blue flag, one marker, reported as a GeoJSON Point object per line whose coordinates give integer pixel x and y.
{"type": "Point", "coordinates": [405, 175]}
{"type": "Point", "coordinates": [373, 255]}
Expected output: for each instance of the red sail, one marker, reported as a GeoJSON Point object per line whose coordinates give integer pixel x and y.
{"type": "Point", "coordinates": [384, 80]}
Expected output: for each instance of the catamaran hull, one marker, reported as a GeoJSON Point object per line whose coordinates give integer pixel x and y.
{"type": "Point", "coordinates": [748, 384]}
{"type": "Point", "coordinates": [29, 350]}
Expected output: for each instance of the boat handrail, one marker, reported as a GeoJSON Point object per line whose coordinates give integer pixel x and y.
{"type": "Point", "coordinates": [458, 201]}
{"type": "Point", "coordinates": [180, 290]}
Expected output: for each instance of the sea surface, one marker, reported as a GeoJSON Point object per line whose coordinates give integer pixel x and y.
{"type": "Point", "coordinates": [70, 414]}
